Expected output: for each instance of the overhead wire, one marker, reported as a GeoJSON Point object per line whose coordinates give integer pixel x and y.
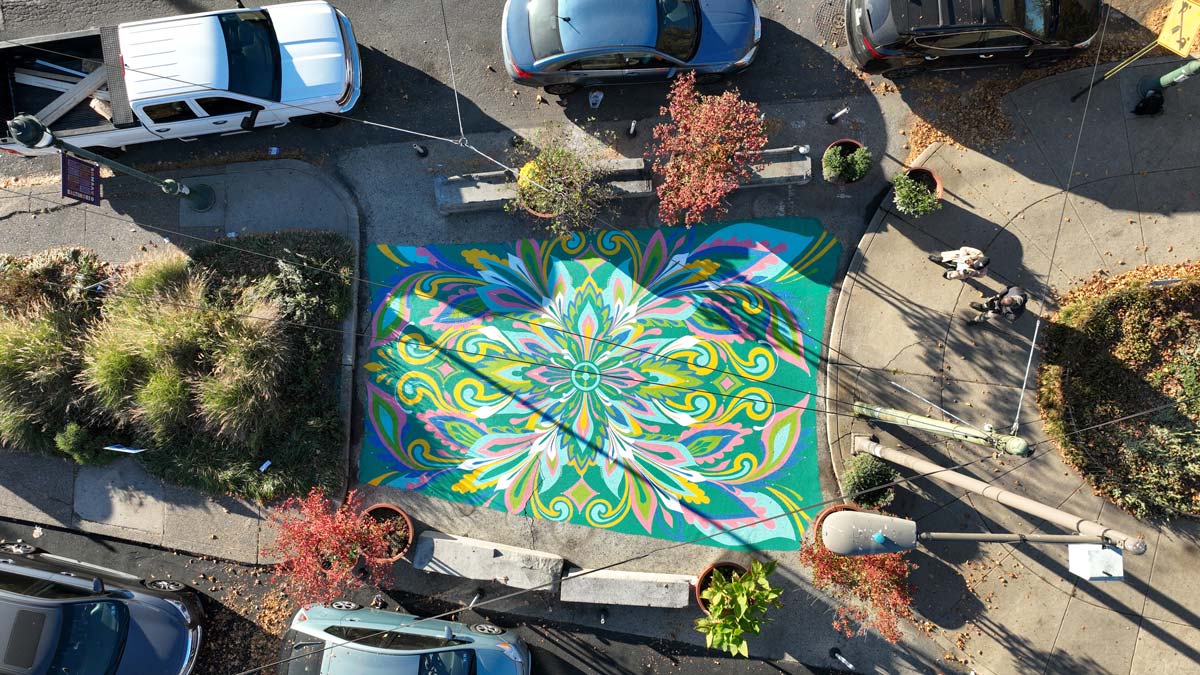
{"type": "Point", "coordinates": [461, 142]}
{"type": "Point", "coordinates": [618, 563]}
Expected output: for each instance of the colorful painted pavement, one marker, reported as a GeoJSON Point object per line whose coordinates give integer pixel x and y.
{"type": "Point", "coordinates": [651, 382]}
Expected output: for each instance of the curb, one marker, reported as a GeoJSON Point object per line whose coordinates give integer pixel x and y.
{"type": "Point", "coordinates": [837, 325]}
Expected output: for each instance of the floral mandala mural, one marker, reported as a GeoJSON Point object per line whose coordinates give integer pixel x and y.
{"type": "Point", "coordinates": [653, 382]}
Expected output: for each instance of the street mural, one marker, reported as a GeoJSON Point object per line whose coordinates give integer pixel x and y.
{"type": "Point", "coordinates": [650, 382]}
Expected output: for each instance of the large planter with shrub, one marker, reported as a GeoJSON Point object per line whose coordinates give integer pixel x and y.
{"type": "Point", "coordinates": [727, 569]}
{"type": "Point", "coordinates": [917, 191]}
{"type": "Point", "coordinates": [845, 161]}
{"type": "Point", "coordinates": [736, 606]}
{"type": "Point", "coordinates": [398, 525]}
{"type": "Point", "coordinates": [561, 181]}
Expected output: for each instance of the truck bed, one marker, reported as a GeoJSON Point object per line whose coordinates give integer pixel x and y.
{"type": "Point", "coordinates": [82, 52]}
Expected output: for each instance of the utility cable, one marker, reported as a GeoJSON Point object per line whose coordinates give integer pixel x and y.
{"type": "Point", "coordinates": [461, 142]}
{"type": "Point", "coordinates": [582, 573]}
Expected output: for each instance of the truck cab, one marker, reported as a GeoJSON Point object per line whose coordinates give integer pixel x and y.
{"type": "Point", "coordinates": [200, 74]}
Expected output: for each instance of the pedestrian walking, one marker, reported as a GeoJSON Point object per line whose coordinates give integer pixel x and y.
{"type": "Point", "coordinates": [1009, 304]}
{"type": "Point", "coordinates": [962, 263]}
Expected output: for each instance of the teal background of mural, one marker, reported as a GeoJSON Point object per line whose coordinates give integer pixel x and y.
{"type": "Point", "coordinates": [651, 382]}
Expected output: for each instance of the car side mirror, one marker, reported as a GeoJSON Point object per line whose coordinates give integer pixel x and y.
{"type": "Point", "coordinates": [249, 120]}
{"type": "Point", "coordinates": [98, 586]}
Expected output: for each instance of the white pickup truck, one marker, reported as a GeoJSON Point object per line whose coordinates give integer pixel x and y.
{"type": "Point", "coordinates": [184, 76]}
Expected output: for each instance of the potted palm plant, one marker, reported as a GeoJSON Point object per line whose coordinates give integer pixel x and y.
{"type": "Point", "coordinates": [736, 605]}
{"type": "Point", "coordinates": [845, 161]}
{"type": "Point", "coordinates": [917, 191]}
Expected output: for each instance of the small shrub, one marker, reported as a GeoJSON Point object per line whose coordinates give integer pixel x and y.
{"type": "Point", "coordinates": [839, 167]}
{"type": "Point", "coordinates": [162, 405]}
{"type": "Point", "coordinates": [867, 472]}
{"type": "Point", "coordinates": [912, 197]}
{"type": "Point", "coordinates": [157, 274]}
{"type": "Point", "coordinates": [323, 547]}
{"type": "Point", "coordinates": [703, 151]}
{"type": "Point", "coordinates": [873, 591]}
{"type": "Point", "coordinates": [81, 444]}
{"type": "Point", "coordinates": [37, 366]}
{"type": "Point", "coordinates": [737, 607]}
{"type": "Point", "coordinates": [560, 180]}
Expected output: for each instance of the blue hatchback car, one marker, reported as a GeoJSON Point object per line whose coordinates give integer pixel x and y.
{"type": "Point", "coordinates": [345, 638]}
{"type": "Point", "coordinates": [562, 45]}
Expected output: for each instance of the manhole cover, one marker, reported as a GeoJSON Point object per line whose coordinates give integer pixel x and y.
{"type": "Point", "coordinates": [831, 23]}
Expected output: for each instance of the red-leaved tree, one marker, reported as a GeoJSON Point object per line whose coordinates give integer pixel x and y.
{"type": "Point", "coordinates": [703, 151]}
{"type": "Point", "coordinates": [873, 590]}
{"type": "Point", "coordinates": [328, 551]}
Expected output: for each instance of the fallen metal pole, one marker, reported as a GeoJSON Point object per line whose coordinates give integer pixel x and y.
{"type": "Point", "coordinates": [1013, 537]}
{"type": "Point", "coordinates": [1134, 545]}
{"type": "Point", "coordinates": [1013, 445]}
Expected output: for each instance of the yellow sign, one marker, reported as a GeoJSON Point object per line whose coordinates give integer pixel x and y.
{"type": "Point", "coordinates": [1179, 31]}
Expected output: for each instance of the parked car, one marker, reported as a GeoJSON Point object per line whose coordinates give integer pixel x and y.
{"type": "Point", "coordinates": [562, 45]}
{"type": "Point", "coordinates": [59, 616]}
{"type": "Point", "coordinates": [223, 72]}
{"type": "Point", "coordinates": [345, 638]}
{"type": "Point", "coordinates": [897, 38]}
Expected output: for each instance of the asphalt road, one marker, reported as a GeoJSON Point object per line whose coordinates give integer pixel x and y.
{"type": "Point", "coordinates": [407, 79]}
{"type": "Point", "coordinates": [558, 649]}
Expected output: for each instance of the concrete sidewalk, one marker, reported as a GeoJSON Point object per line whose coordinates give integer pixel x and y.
{"type": "Point", "coordinates": [1132, 201]}
{"type": "Point", "coordinates": [121, 499]}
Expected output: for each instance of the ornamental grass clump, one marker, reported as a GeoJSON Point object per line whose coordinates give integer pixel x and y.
{"type": "Point", "coordinates": [737, 607]}
{"type": "Point", "coordinates": [873, 591]}
{"type": "Point", "coordinates": [328, 551]}
{"type": "Point", "coordinates": [705, 149]}
{"type": "Point", "coordinates": [912, 197]}
{"type": "Point", "coordinates": [865, 474]}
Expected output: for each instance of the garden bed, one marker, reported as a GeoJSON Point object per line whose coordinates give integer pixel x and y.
{"type": "Point", "coordinates": [1121, 346]}
{"type": "Point", "coordinates": [214, 363]}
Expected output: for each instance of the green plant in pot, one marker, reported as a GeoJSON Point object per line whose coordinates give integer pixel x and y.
{"type": "Point", "coordinates": [559, 181]}
{"type": "Point", "coordinates": [845, 161]}
{"type": "Point", "coordinates": [737, 605]}
{"type": "Point", "coordinates": [913, 197]}
{"type": "Point", "coordinates": [865, 474]}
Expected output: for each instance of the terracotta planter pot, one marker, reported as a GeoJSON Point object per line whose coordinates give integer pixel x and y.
{"type": "Point", "coordinates": [846, 146]}
{"type": "Point", "coordinates": [385, 511]}
{"type": "Point", "coordinates": [536, 214]}
{"type": "Point", "coordinates": [833, 508]}
{"type": "Point", "coordinates": [926, 177]}
{"type": "Point", "coordinates": [705, 578]}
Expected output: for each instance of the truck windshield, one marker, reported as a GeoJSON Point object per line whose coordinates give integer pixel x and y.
{"type": "Point", "coordinates": [254, 68]}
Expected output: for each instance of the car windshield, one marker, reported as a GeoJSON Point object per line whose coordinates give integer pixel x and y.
{"type": "Point", "coordinates": [457, 662]}
{"type": "Point", "coordinates": [1067, 20]}
{"type": "Point", "coordinates": [678, 28]}
{"type": "Point", "coordinates": [254, 68]}
{"type": "Point", "coordinates": [91, 638]}
{"type": "Point", "coordinates": [543, 28]}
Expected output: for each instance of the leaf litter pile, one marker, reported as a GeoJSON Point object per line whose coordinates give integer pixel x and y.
{"type": "Point", "coordinates": [965, 109]}
{"type": "Point", "coordinates": [245, 618]}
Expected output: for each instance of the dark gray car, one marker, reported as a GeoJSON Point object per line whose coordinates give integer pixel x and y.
{"type": "Point", "coordinates": [565, 44]}
{"type": "Point", "coordinates": [60, 616]}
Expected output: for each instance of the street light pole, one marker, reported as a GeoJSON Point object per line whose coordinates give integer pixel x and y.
{"type": "Point", "coordinates": [30, 132]}
{"type": "Point", "coordinates": [1151, 88]}
{"type": "Point", "coordinates": [1134, 545]}
{"type": "Point", "coordinates": [1013, 445]}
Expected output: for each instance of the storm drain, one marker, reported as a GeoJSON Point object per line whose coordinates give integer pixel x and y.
{"type": "Point", "coordinates": [831, 22]}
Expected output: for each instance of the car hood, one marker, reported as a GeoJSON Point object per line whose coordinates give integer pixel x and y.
{"type": "Point", "coordinates": [156, 643]}
{"type": "Point", "coordinates": [726, 30]}
{"type": "Point", "coordinates": [312, 55]}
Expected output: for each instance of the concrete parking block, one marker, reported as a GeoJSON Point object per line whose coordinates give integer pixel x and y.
{"type": "Point", "coordinates": [618, 587]}
{"type": "Point", "coordinates": [485, 561]}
